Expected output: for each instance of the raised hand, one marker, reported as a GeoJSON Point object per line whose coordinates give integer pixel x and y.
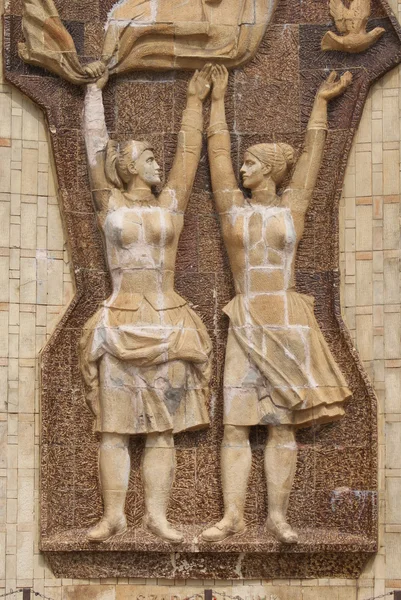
{"type": "Point", "coordinates": [333, 87]}
{"type": "Point", "coordinates": [220, 82]}
{"type": "Point", "coordinates": [95, 69]}
{"type": "Point", "coordinates": [99, 72]}
{"type": "Point", "coordinates": [200, 84]}
{"type": "Point", "coordinates": [102, 81]}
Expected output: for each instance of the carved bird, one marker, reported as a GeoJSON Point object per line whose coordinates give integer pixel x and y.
{"type": "Point", "coordinates": [352, 22]}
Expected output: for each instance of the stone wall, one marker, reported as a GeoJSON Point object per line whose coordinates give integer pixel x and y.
{"type": "Point", "coordinates": [36, 286]}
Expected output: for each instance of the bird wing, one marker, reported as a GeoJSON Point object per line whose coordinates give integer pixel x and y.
{"type": "Point", "coordinates": [338, 12]}
{"type": "Point", "coordinates": [361, 9]}
{"type": "Point", "coordinates": [359, 15]}
{"type": "Point", "coordinates": [352, 19]}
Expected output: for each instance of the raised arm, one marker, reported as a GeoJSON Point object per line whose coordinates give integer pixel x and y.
{"type": "Point", "coordinates": [303, 182]}
{"type": "Point", "coordinates": [96, 139]}
{"type": "Point", "coordinates": [181, 177]}
{"type": "Point", "coordinates": [224, 183]}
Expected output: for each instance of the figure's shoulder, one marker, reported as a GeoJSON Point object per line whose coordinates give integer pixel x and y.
{"type": "Point", "coordinates": [112, 200]}
{"type": "Point", "coordinates": [168, 200]}
{"type": "Point", "coordinates": [116, 200]}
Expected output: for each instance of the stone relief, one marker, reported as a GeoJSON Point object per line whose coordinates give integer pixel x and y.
{"type": "Point", "coordinates": [288, 365]}
{"type": "Point", "coordinates": [145, 355]}
{"type": "Point", "coordinates": [279, 371]}
{"type": "Point", "coordinates": [351, 21]}
{"type": "Point", "coordinates": [144, 34]}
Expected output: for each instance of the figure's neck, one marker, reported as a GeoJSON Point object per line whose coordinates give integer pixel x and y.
{"type": "Point", "coordinates": [138, 190]}
{"type": "Point", "coordinates": [265, 194]}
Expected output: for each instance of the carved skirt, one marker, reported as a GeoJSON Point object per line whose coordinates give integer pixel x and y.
{"type": "Point", "coordinates": [150, 369]}
{"type": "Point", "coordinates": [280, 374]}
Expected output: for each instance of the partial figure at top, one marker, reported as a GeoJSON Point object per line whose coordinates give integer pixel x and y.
{"type": "Point", "coordinates": [144, 34]}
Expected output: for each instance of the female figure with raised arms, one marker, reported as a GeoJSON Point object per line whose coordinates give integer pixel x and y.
{"type": "Point", "coordinates": [145, 355]}
{"type": "Point", "coordinates": [279, 371]}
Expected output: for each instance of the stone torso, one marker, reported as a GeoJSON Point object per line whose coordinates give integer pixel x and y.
{"type": "Point", "coordinates": [261, 244]}
{"type": "Point", "coordinates": [141, 242]}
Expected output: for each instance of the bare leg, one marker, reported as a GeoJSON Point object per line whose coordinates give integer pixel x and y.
{"type": "Point", "coordinates": [236, 461]}
{"type": "Point", "coordinates": [158, 467]}
{"type": "Point", "coordinates": [280, 465]}
{"type": "Point", "coordinates": [114, 468]}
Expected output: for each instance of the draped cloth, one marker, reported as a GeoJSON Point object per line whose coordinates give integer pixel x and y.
{"type": "Point", "coordinates": [148, 368]}
{"type": "Point", "coordinates": [280, 373]}
{"type": "Point", "coordinates": [142, 34]}
{"type": "Point", "coordinates": [48, 43]}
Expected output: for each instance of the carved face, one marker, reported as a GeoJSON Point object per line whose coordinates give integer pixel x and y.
{"type": "Point", "coordinates": [253, 172]}
{"type": "Point", "coordinates": [147, 169]}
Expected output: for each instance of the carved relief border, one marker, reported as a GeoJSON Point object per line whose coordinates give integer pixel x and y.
{"type": "Point", "coordinates": [280, 84]}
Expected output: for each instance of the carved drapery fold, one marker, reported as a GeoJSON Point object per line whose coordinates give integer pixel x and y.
{"type": "Point", "coordinates": [143, 35]}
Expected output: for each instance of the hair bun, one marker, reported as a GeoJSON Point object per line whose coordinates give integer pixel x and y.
{"type": "Point", "coordinates": [288, 152]}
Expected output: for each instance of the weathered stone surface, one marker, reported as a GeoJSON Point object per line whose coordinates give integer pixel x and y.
{"type": "Point", "coordinates": [161, 36]}
{"type": "Point", "coordinates": [274, 349]}
{"type": "Point", "coordinates": [203, 278]}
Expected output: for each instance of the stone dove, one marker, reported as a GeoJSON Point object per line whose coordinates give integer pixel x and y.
{"type": "Point", "coordinates": [352, 22]}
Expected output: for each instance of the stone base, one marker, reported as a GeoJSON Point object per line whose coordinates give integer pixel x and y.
{"type": "Point", "coordinates": [137, 553]}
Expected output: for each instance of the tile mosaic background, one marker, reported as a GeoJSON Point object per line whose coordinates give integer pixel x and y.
{"type": "Point", "coordinates": [36, 286]}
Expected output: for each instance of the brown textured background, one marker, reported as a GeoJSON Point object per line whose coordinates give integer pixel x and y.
{"type": "Point", "coordinates": [270, 99]}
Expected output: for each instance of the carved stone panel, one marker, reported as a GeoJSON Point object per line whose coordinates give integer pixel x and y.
{"type": "Point", "coordinates": [272, 107]}
{"type": "Point", "coordinates": [144, 34]}
{"type": "Point", "coordinates": [351, 21]}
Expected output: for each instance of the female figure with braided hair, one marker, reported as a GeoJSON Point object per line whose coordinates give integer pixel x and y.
{"type": "Point", "coordinates": [145, 355]}
{"type": "Point", "coordinates": [279, 371]}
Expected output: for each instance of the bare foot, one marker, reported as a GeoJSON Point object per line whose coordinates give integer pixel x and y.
{"type": "Point", "coordinates": [222, 530]}
{"type": "Point", "coordinates": [282, 531]}
{"type": "Point", "coordinates": [106, 529]}
{"type": "Point", "coordinates": [163, 530]}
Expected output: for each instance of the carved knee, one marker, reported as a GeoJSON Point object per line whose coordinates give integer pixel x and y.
{"type": "Point", "coordinates": [236, 436]}
{"type": "Point", "coordinates": [164, 439]}
{"type": "Point", "coordinates": [282, 435]}
{"type": "Point", "coordinates": [114, 440]}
